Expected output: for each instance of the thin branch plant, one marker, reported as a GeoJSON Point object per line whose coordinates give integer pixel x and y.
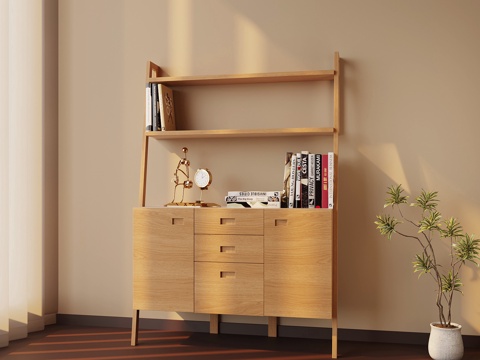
{"type": "Point", "coordinates": [428, 231]}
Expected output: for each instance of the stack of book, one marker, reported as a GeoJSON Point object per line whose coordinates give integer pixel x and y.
{"type": "Point", "coordinates": [308, 180]}
{"type": "Point", "coordinates": [159, 108]}
{"type": "Point", "coordinates": [253, 199]}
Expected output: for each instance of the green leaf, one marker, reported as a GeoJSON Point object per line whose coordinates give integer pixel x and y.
{"type": "Point", "coordinates": [451, 283]}
{"type": "Point", "coordinates": [427, 200]}
{"type": "Point", "coordinates": [467, 248]}
{"type": "Point", "coordinates": [396, 196]}
{"type": "Point", "coordinates": [422, 264]}
{"type": "Point", "coordinates": [386, 225]}
{"type": "Point", "coordinates": [453, 229]}
{"type": "Point", "coordinates": [430, 222]}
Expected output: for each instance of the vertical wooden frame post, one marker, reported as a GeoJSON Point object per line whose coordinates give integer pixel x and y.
{"type": "Point", "coordinates": [336, 124]}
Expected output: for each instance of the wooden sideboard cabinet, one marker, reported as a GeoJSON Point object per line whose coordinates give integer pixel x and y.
{"type": "Point", "coordinates": [257, 262]}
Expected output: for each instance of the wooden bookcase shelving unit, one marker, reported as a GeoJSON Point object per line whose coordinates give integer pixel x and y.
{"type": "Point", "coordinates": [257, 262]}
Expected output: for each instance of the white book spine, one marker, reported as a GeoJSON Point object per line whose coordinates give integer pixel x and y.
{"type": "Point", "coordinates": [148, 107]}
{"type": "Point", "coordinates": [293, 172]}
{"type": "Point", "coordinates": [253, 193]}
{"type": "Point", "coordinates": [311, 180]}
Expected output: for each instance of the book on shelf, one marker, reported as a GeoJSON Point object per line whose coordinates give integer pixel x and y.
{"type": "Point", "coordinates": [298, 176]}
{"type": "Point", "coordinates": [293, 172]}
{"type": "Point", "coordinates": [311, 180]}
{"type": "Point", "coordinates": [324, 181]}
{"type": "Point", "coordinates": [230, 198]}
{"type": "Point", "coordinates": [253, 199]}
{"type": "Point", "coordinates": [167, 108]}
{"type": "Point", "coordinates": [304, 179]}
{"type": "Point", "coordinates": [286, 180]}
{"type": "Point", "coordinates": [253, 193]}
{"type": "Point", "coordinates": [155, 109]}
{"type": "Point", "coordinates": [253, 204]}
{"type": "Point", "coordinates": [318, 180]}
{"type": "Point", "coordinates": [331, 160]}
{"type": "Point", "coordinates": [148, 107]}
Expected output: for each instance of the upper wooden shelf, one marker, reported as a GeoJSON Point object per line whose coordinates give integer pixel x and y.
{"type": "Point", "coordinates": [236, 133]}
{"type": "Point", "coordinates": [278, 77]}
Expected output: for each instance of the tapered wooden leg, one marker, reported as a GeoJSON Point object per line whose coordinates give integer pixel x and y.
{"type": "Point", "coordinates": [214, 322]}
{"type": "Point", "coordinates": [334, 338]}
{"type": "Point", "coordinates": [135, 316]}
{"type": "Point", "coordinates": [272, 326]}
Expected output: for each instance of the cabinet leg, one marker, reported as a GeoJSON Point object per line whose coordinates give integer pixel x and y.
{"type": "Point", "coordinates": [135, 317]}
{"type": "Point", "coordinates": [214, 322]}
{"type": "Point", "coordinates": [272, 326]}
{"type": "Point", "coordinates": [334, 338]}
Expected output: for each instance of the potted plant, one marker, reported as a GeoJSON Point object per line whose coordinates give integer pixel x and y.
{"type": "Point", "coordinates": [428, 230]}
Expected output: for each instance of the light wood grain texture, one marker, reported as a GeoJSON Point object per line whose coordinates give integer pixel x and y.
{"type": "Point", "coordinates": [336, 123]}
{"type": "Point", "coordinates": [272, 326]}
{"type": "Point", "coordinates": [135, 318]}
{"type": "Point", "coordinates": [299, 275]}
{"type": "Point", "coordinates": [214, 323]}
{"type": "Point", "coordinates": [229, 248]}
{"type": "Point", "coordinates": [298, 263]}
{"type": "Point", "coordinates": [224, 221]}
{"type": "Point", "coordinates": [163, 259]}
{"type": "Point", "coordinates": [229, 288]}
{"type": "Point", "coordinates": [277, 77]}
{"type": "Point", "coordinates": [238, 133]}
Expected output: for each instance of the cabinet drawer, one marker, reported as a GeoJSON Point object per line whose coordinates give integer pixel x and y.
{"type": "Point", "coordinates": [229, 221]}
{"type": "Point", "coordinates": [229, 288]}
{"type": "Point", "coordinates": [229, 248]}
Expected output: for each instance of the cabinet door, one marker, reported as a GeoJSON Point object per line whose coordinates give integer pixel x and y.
{"type": "Point", "coordinates": [163, 259]}
{"type": "Point", "coordinates": [298, 263]}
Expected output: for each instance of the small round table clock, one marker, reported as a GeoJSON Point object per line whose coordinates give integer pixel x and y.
{"type": "Point", "coordinates": [203, 178]}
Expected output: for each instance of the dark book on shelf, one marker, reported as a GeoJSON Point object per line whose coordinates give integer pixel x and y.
{"type": "Point", "coordinates": [318, 180]}
{"type": "Point", "coordinates": [155, 108]}
{"type": "Point", "coordinates": [167, 108]}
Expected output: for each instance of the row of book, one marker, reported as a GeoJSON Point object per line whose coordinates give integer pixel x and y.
{"type": "Point", "coordinates": [308, 180]}
{"type": "Point", "coordinates": [159, 108]}
{"type": "Point", "coordinates": [253, 199]}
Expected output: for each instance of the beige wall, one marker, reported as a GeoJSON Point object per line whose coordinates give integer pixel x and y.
{"type": "Point", "coordinates": [410, 116]}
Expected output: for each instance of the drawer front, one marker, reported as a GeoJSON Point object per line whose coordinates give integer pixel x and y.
{"type": "Point", "coordinates": [163, 259]}
{"type": "Point", "coordinates": [298, 263]}
{"type": "Point", "coordinates": [229, 248]}
{"type": "Point", "coordinates": [229, 221]}
{"type": "Point", "coordinates": [229, 288]}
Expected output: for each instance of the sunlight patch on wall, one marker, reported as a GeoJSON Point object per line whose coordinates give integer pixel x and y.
{"type": "Point", "coordinates": [180, 35]}
{"type": "Point", "coordinates": [387, 159]}
{"type": "Point", "coordinates": [466, 209]}
{"type": "Point", "coordinates": [470, 310]}
{"type": "Point", "coordinates": [251, 45]}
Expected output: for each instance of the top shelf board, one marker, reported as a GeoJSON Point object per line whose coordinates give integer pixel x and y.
{"type": "Point", "coordinates": [238, 133]}
{"type": "Point", "coordinates": [245, 78]}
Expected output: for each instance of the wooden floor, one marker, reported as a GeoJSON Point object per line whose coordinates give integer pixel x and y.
{"type": "Point", "coordinates": [68, 342]}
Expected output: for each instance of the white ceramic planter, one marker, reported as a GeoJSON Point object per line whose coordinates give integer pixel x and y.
{"type": "Point", "coordinates": [445, 344]}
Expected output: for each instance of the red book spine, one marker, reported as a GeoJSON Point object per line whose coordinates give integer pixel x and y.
{"type": "Point", "coordinates": [325, 181]}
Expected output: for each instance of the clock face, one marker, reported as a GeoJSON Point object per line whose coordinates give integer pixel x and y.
{"type": "Point", "coordinates": [203, 178]}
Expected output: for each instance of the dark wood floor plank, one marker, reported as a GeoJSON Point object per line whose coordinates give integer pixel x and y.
{"type": "Point", "coordinates": [93, 343]}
